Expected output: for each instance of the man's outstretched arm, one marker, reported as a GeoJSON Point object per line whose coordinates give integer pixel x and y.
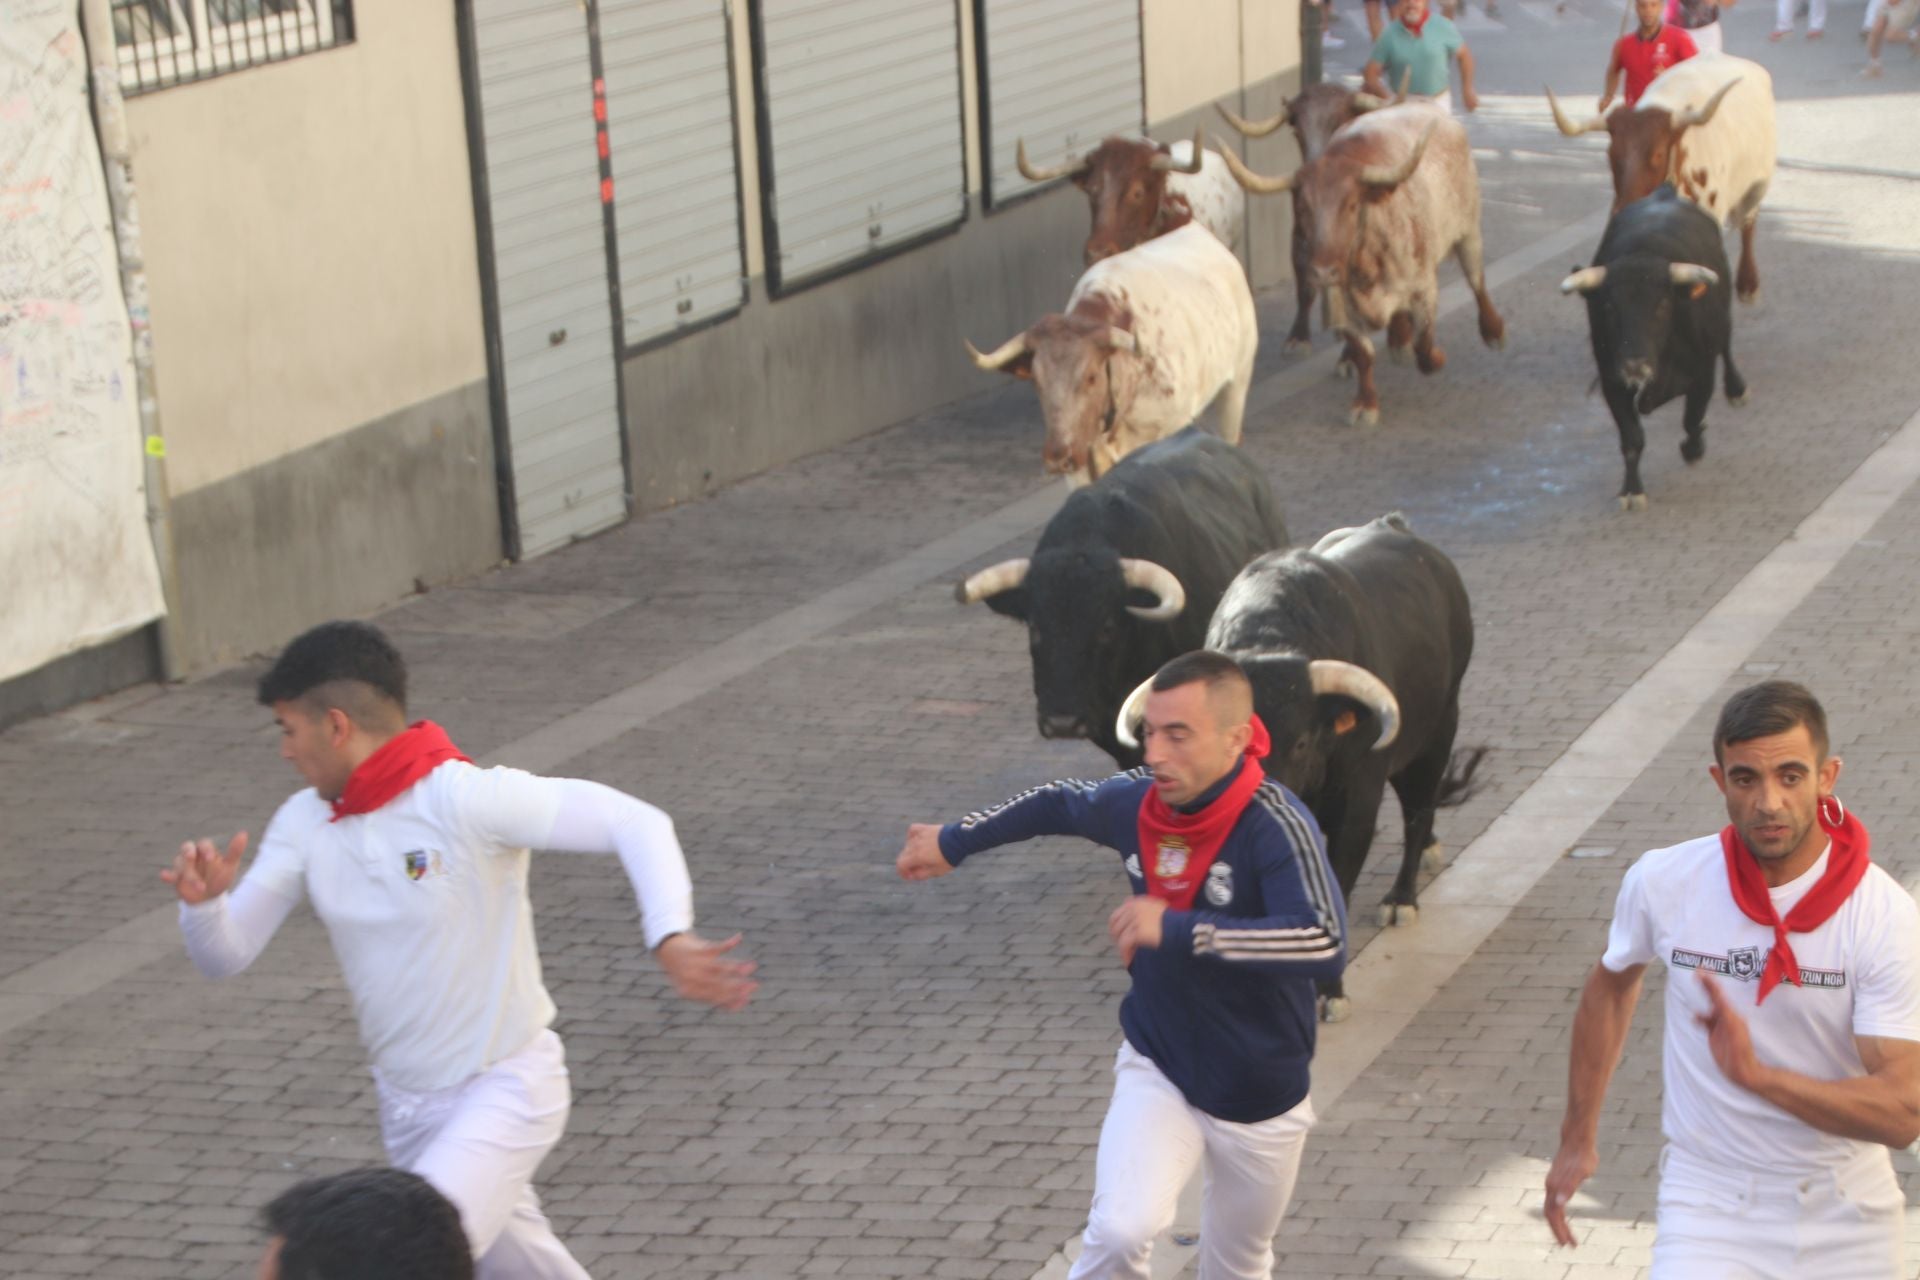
{"type": "Point", "coordinates": [1600, 1028]}
{"type": "Point", "coordinates": [571, 815]}
{"type": "Point", "coordinates": [225, 928]}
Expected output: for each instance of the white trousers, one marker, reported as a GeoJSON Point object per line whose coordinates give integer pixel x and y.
{"type": "Point", "coordinates": [479, 1143]}
{"type": "Point", "coordinates": [1783, 15]}
{"type": "Point", "coordinates": [1150, 1144]}
{"type": "Point", "coordinates": [1720, 1224]}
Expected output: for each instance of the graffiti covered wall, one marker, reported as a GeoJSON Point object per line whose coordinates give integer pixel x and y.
{"type": "Point", "coordinates": [77, 566]}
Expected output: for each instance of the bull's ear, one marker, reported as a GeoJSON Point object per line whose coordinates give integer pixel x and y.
{"type": "Point", "coordinates": [1341, 715]}
{"type": "Point", "coordinates": [1012, 602]}
{"type": "Point", "coordinates": [1021, 366]}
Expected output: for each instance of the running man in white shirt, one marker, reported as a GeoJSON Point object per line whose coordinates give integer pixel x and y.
{"type": "Point", "coordinates": [416, 861]}
{"type": "Point", "coordinates": [1792, 1049]}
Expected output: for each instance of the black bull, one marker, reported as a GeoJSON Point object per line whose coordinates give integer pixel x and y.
{"type": "Point", "coordinates": [1660, 308]}
{"type": "Point", "coordinates": [1126, 575]}
{"type": "Point", "coordinates": [1356, 650]}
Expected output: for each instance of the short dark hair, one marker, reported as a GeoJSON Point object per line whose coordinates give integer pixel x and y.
{"type": "Point", "coordinates": [1768, 708]}
{"type": "Point", "coordinates": [337, 654]}
{"type": "Point", "coordinates": [1223, 678]}
{"type": "Point", "coordinates": [1201, 665]}
{"type": "Point", "coordinates": [369, 1224]}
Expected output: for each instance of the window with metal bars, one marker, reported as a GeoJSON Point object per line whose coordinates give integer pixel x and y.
{"type": "Point", "coordinates": [169, 42]}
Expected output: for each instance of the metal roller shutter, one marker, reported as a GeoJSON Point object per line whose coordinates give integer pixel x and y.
{"type": "Point", "coordinates": [675, 177]}
{"type": "Point", "coordinates": [860, 129]}
{"type": "Point", "coordinates": [1063, 74]}
{"type": "Point", "coordinates": [549, 242]}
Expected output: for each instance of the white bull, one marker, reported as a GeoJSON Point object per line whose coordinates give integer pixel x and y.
{"type": "Point", "coordinates": [1706, 126]}
{"type": "Point", "coordinates": [1149, 338]}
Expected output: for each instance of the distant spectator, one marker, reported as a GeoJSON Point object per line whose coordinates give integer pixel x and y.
{"type": "Point", "coordinates": [1643, 53]}
{"type": "Point", "coordinates": [1889, 22]}
{"type": "Point", "coordinates": [1417, 49]}
{"type": "Point", "coordinates": [370, 1224]}
{"type": "Point", "coordinates": [1783, 11]}
{"type": "Point", "coordinates": [1701, 20]}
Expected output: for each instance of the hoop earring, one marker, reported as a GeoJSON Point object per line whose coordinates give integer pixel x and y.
{"type": "Point", "coordinates": [1837, 816]}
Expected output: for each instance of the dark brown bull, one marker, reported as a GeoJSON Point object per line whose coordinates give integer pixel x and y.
{"type": "Point", "coordinates": [1316, 113]}
{"type": "Point", "coordinates": [1139, 189]}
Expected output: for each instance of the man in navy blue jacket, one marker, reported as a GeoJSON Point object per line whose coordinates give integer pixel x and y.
{"type": "Point", "coordinates": [1235, 915]}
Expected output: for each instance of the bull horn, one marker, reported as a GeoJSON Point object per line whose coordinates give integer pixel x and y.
{"type": "Point", "coordinates": [1567, 126]}
{"type": "Point", "coordinates": [1251, 181]}
{"type": "Point", "coordinates": [1693, 273]}
{"type": "Point", "coordinates": [1148, 576]}
{"type": "Point", "coordinates": [1165, 163]}
{"type": "Point", "coordinates": [1122, 339]}
{"type": "Point", "coordinates": [1365, 688]}
{"type": "Point", "coordinates": [1131, 713]}
{"type": "Point", "coordinates": [1252, 128]}
{"type": "Point", "coordinates": [1695, 116]}
{"type": "Point", "coordinates": [1034, 173]}
{"type": "Point", "coordinates": [1334, 538]}
{"type": "Point", "coordinates": [1363, 102]}
{"type": "Point", "coordinates": [1379, 175]}
{"type": "Point", "coordinates": [992, 580]}
{"type": "Point", "coordinates": [1585, 280]}
{"type": "Point", "coordinates": [1406, 83]}
{"type": "Point", "coordinates": [1001, 356]}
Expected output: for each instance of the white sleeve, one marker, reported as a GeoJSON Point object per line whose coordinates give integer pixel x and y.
{"type": "Point", "coordinates": [519, 810]}
{"type": "Point", "coordinates": [1886, 973]}
{"type": "Point", "coordinates": [1630, 940]}
{"type": "Point", "coordinates": [226, 934]}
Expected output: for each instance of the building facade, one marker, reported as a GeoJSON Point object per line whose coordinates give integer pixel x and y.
{"type": "Point", "coordinates": [437, 286]}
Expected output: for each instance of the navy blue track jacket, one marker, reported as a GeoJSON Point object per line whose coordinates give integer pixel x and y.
{"type": "Point", "coordinates": [1224, 1006]}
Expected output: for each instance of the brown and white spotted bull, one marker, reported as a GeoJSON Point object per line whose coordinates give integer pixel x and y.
{"type": "Point", "coordinates": [1393, 193]}
{"type": "Point", "coordinates": [1139, 189]}
{"type": "Point", "coordinates": [1706, 126]}
{"type": "Point", "coordinates": [1149, 338]}
{"type": "Point", "coordinates": [1316, 113]}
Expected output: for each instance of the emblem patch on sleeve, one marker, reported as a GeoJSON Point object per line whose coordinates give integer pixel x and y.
{"type": "Point", "coordinates": [1219, 884]}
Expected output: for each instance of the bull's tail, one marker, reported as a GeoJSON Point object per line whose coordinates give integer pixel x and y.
{"type": "Point", "coordinates": [1457, 787]}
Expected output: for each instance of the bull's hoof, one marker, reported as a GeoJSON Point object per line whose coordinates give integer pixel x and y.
{"type": "Point", "coordinates": [1361, 416]}
{"type": "Point", "coordinates": [1432, 362]}
{"type": "Point", "coordinates": [1633, 502]}
{"type": "Point", "coordinates": [1739, 401]}
{"type": "Point", "coordinates": [1344, 369]}
{"type": "Point", "coordinates": [1399, 355]}
{"type": "Point", "coordinates": [1292, 345]}
{"type": "Point", "coordinates": [1335, 1008]}
{"type": "Point", "coordinates": [1398, 915]}
{"type": "Point", "coordinates": [1751, 297]}
{"type": "Point", "coordinates": [1496, 339]}
{"type": "Point", "coordinates": [1693, 448]}
{"type": "Point", "coordinates": [1433, 857]}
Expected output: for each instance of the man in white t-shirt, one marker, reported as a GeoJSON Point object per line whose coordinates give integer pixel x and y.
{"type": "Point", "coordinates": [1792, 1048]}
{"type": "Point", "coordinates": [416, 861]}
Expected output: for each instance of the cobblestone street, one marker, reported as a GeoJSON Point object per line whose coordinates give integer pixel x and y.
{"type": "Point", "coordinates": [918, 1087]}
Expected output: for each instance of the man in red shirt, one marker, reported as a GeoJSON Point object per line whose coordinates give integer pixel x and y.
{"type": "Point", "coordinates": [1643, 54]}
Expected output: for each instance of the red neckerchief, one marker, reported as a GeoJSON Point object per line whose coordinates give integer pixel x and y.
{"type": "Point", "coordinates": [1416, 27]}
{"type": "Point", "coordinates": [401, 761]}
{"type": "Point", "coordinates": [1846, 864]}
{"type": "Point", "coordinates": [1177, 848]}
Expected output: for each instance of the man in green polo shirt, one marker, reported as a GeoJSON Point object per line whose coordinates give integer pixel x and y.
{"type": "Point", "coordinates": [1423, 44]}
